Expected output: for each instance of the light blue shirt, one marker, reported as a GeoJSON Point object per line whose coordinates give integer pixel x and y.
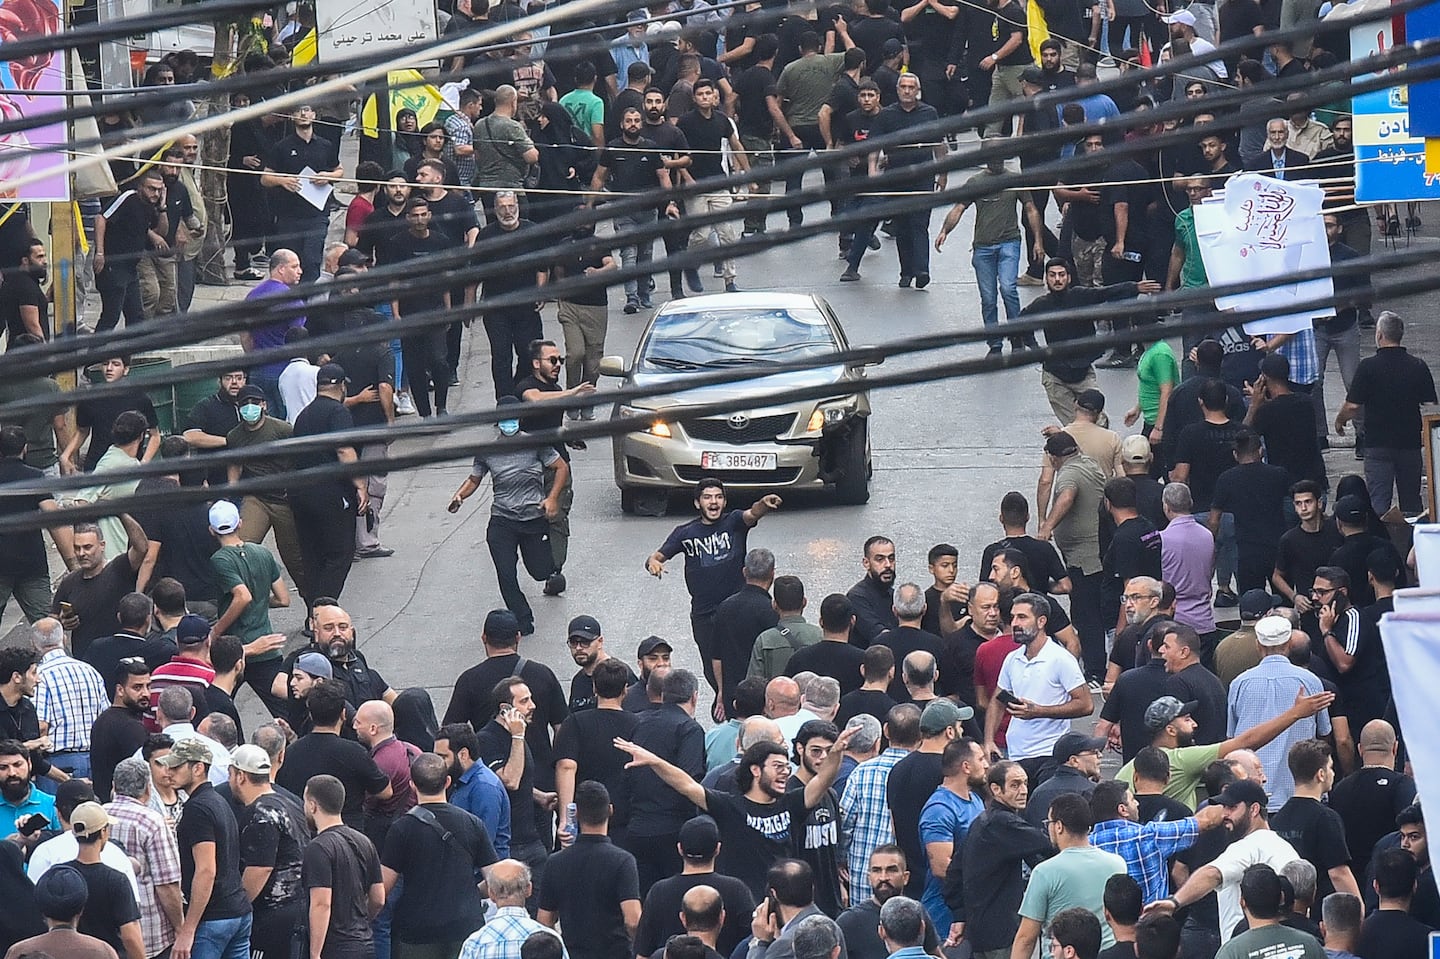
{"type": "Point", "coordinates": [36, 801]}
{"type": "Point", "coordinates": [1260, 694]}
{"type": "Point", "coordinates": [720, 744]}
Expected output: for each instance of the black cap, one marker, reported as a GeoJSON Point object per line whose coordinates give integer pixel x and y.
{"type": "Point", "coordinates": [1256, 603]}
{"type": "Point", "coordinates": [1351, 509]}
{"type": "Point", "coordinates": [1092, 401]}
{"type": "Point", "coordinates": [1032, 75]}
{"type": "Point", "coordinates": [501, 624]}
{"type": "Point", "coordinates": [354, 257]}
{"type": "Point", "coordinates": [251, 392]}
{"type": "Point", "coordinates": [331, 374]}
{"type": "Point", "coordinates": [891, 48]}
{"type": "Point", "coordinates": [699, 838]}
{"type": "Point", "coordinates": [1073, 744]}
{"type": "Point", "coordinates": [586, 626]}
{"type": "Point", "coordinates": [1061, 444]}
{"type": "Point", "coordinates": [649, 644]}
{"type": "Point", "coordinates": [1242, 792]}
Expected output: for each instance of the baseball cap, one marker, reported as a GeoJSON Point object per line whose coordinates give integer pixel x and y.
{"type": "Point", "coordinates": [250, 758]}
{"type": "Point", "coordinates": [192, 630]}
{"type": "Point", "coordinates": [224, 517]}
{"type": "Point", "coordinates": [891, 48]}
{"type": "Point", "coordinates": [187, 751]}
{"type": "Point", "coordinates": [1242, 792]}
{"type": "Point", "coordinates": [638, 70]}
{"type": "Point", "coordinates": [649, 644]}
{"type": "Point", "coordinates": [354, 257]}
{"type": "Point", "coordinates": [1073, 744]}
{"type": "Point", "coordinates": [1032, 75]}
{"type": "Point", "coordinates": [1256, 603]}
{"type": "Point", "coordinates": [1135, 449]}
{"type": "Point", "coordinates": [1166, 710]}
{"type": "Point", "coordinates": [501, 624]}
{"type": "Point", "coordinates": [584, 626]}
{"type": "Point", "coordinates": [1273, 631]}
{"type": "Point", "coordinates": [88, 819]}
{"type": "Point", "coordinates": [61, 893]}
{"type": "Point", "coordinates": [1061, 444]}
{"type": "Point", "coordinates": [699, 838]}
{"type": "Point", "coordinates": [1181, 16]}
{"type": "Point", "coordinates": [330, 374]}
{"type": "Point", "coordinates": [636, 15]}
{"type": "Point", "coordinates": [315, 664]}
{"type": "Point", "coordinates": [941, 714]}
{"type": "Point", "coordinates": [251, 392]}
{"type": "Point", "coordinates": [1091, 400]}
{"type": "Point", "coordinates": [1350, 509]}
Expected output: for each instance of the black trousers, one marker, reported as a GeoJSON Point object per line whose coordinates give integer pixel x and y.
{"type": "Point", "coordinates": [119, 288]}
{"type": "Point", "coordinates": [325, 526]}
{"type": "Point", "coordinates": [510, 542]}
{"type": "Point", "coordinates": [1036, 268]}
{"type": "Point", "coordinates": [1089, 623]}
{"type": "Point", "coordinates": [260, 677]}
{"type": "Point", "coordinates": [510, 332]}
{"type": "Point", "coordinates": [427, 366]}
{"type": "Point", "coordinates": [702, 625]}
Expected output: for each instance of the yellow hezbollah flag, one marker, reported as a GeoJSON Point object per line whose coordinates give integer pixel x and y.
{"type": "Point", "coordinates": [1039, 30]}
{"type": "Point", "coordinates": [305, 50]}
{"type": "Point", "coordinates": [408, 90]}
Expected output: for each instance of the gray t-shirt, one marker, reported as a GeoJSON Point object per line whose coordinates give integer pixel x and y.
{"type": "Point", "coordinates": [519, 480]}
{"type": "Point", "coordinates": [1077, 536]}
{"type": "Point", "coordinates": [500, 147]}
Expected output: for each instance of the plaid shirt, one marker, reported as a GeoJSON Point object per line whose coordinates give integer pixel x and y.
{"type": "Point", "coordinates": [865, 816]}
{"type": "Point", "coordinates": [1145, 847]}
{"type": "Point", "coordinates": [1299, 349]}
{"type": "Point", "coordinates": [150, 844]}
{"type": "Point", "coordinates": [69, 697]}
{"type": "Point", "coordinates": [461, 130]}
{"type": "Point", "coordinates": [503, 934]}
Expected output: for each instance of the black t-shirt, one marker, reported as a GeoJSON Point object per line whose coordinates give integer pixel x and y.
{"type": "Point", "coordinates": [452, 216]}
{"type": "Point", "coordinates": [128, 220]}
{"type": "Point", "coordinates": [893, 119]}
{"type": "Point", "coordinates": [1238, 19]}
{"type": "Point", "coordinates": [378, 229]}
{"type": "Point", "coordinates": [115, 735]}
{"type": "Point", "coordinates": [215, 415]}
{"type": "Point", "coordinates": [541, 417]}
{"type": "Point", "coordinates": [957, 664]}
{"type": "Point", "coordinates": [582, 693]}
{"type": "Point", "coordinates": [1390, 932]}
{"type": "Point", "coordinates": [1043, 566]}
{"type": "Point", "coordinates": [344, 861]}
{"type": "Point", "coordinates": [633, 166]}
{"type": "Point", "coordinates": [1010, 19]}
{"type": "Point", "coordinates": [22, 555]}
{"type": "Point", "coordinates": [107, 651]}
{"type": "Point", "coordinates": [186, 544]}
{"type": "Point", "coordinates": [1254, 493]}
{"type": "Point", "coordinates": [516, 242]}
{"type": "Point", "coordinates": [1209, 448]}
{"type": "Point", "coordinates": [21, 289]}
{"type": "Point", "coordinates": [587, 738]}
{"type": "Point", "coordinates": [585, 885]}
{"type": "Point", "coordinates": [111, 903]}
{"type": "Point", "coordinates": [1302, 552]}
{"type": "Point", "coordinates": [706, 137]}
{"type": "Point", "coordinates": [754, 87]}
{"type": "Point", "coordinates": [876, 702]}
{"type": "Point", "coordinates": [95, 601]}
{"type": "Point", "coordinates": [367, 365]}
{"type": "Point", "coordinates": [714, 554]}
{"type": "Point", "coordinates": [1195, 683]}
{"type": "Point", "coordinates": [1134, 551]}
{"type": "Point", "coordinates": [441, 863]}
{"type": "Point", "coordinates": [844, 100]}
{"type": "Point", "coordinates": [1367, 802]}
{"type": "Point", "coordinates": [870, 34]}
{"type": "Point", "coordinates": [904, 640]}
{"type": "Point", "coordinates": [1134, 691]}
{"type": "Point", "coordinates": [1287, 423]}
{"type": "Point", "coordinates": [207, 818]}
{"type": "Point", "coordinates": [753, 835]}
{"type": "Point", "coordinates": [907, 790]}
{"type": "Point", "coordinates": [1158, 807]}
{"type": "Point", "coordinates": [274, 837]}
{"type": "Point", "coordinates": [818, 844]}
{"type": "Point", "coordinates": [1318, 835]}
{"type": "Point", "coordinates": [1392, 385]}
{"type": "Point", "coordinates": [571, 262]}
{"type": "Point", "coordinates": [1124, 183]}
{"type": "Point", "coordinates": [323, 415]}
{"type": "Point", "coordinates": [98, 415]}
{"type": "Point", "coordinates": [405, 247]}
{"type": "Point", "coordinates": [471, 702]}
{"type": "Point", "coordinates": [660, 916]}
{"type": "Point", "coordinates": [1352, 555]}
{"type": "Point", "coordinates": [291, 155]}
{"type": "Point", "coordinates": [930, 622]}
{"type": "Point", "coordinates": [346, 760]}
{"type": "Point", "coordinates": [494, 741]}
{"type": "Point", "coordinates": [840, 661]}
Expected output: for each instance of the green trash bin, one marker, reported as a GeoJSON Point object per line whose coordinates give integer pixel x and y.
{"type": "Point", "coordinates": [188, 395]}
{"type": "Point", "coordinates": [161, 397]}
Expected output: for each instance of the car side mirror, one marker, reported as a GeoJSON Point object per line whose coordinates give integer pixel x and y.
{"type": "Point", "coordinates": [613, 366]}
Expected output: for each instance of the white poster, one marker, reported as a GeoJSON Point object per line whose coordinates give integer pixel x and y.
{"type": "Point", "coordinates": [1412, 653]}
{"type": "Point", "coordinates": [346, 28]}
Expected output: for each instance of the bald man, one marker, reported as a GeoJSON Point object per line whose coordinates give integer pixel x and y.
{"type": "Point", "coordinates": [783, 704]}
{"type": "Point", "coordinates": [755, 729]}
{"type": "Point", "coordinates": [1369, 798]}
{"type": "Point", "coordinates": [1249, 763]}
{"type": "Point", "coordinates": [507, 884]}
{"type": "Point", "coordinates": [375, 728]}
{"type": "Point", "coordinates": [919, 672]}
{"type": "Point", "coordinates": [702, 913]}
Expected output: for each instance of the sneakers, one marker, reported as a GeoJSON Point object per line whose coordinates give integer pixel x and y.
{"type": "Point", "coordinates": [404, 405]}
{"type": "Point", "coordinates": [996, 349]}
{"type": "Point", "coordinates": [1226, 598]}
{"type": "Point", "coordinates": [730, 287]}
{"type": "Point", "coordinates": [1027, 280]}
{"type": "Point", "coordinates": [719, 275]}
{"type": "Point", "coordinates": [922, 280]}
{"type": "Point", "coordinates": [374, 552]}
{"type": "Point", "coordinates": [632, 306]}
{"type": "Point", "coordinates": [247, 275]}
{"type": "Point", "coordinates": [904, 283]}
{"type": "Point", "coordinates": [849, 276]}
{"type": "Point", "coordinates": [555, 584]}
{"type": "Point", "coordinates": [577, 444]}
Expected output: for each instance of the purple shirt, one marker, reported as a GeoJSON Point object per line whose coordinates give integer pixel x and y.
{"type": "Point", "coordinates": [1187, 562]}
{"type": "Point", "coordinates": [393, 757]}
{"type": "Point", "coordinates": [265, 337]}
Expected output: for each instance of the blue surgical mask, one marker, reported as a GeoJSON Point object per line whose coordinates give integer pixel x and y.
{"type": "Point", "coordinates": [509, 427]}
{"type": "Point", "coordinates": [251, 412]}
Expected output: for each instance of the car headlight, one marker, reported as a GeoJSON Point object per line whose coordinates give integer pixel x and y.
{"type": "Point", "coordinates": [657, 427]}
{"type": "Point", "coordinates": [829, 414]}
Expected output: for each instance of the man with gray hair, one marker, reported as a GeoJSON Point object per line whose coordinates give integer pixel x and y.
{"type": "Point", "coordinates": [817, 937]}
{"type": "Point", "coordinates": [147, 840]}
{"type": "Point", "coordinates": [174, 712]}
{"type": "Point", "coordinates": [821, 696]}
{"type": "Point", "coordinates": [902, 927]}
{"type": "Point", "coordinates": [656, 813]}
{"type": "Point", "coordinates": [785, 703]}
{"type": "Point", "coordinates": [507, 885]}
{"type": "Point", "coordinates": [1392, 385]}
{"type": "Point", "coordinates": [864, 746]}
{"type": "Point", "coordinates": [906, 638]}
{"type": "Point", "coordinates": [1340, 915]}
{"type": "Point", "coordinates": [740, 620]}
{"type": "Point", "coordinates": [69, 697]}
{"type": "Point", "coordinates": [1187, 562]}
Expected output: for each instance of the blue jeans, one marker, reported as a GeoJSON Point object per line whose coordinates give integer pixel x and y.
{"type": "Point", "coordinates": [76, 764]}
{"type": "Point", "coordinates": [642, 252]}
{"type": "Point", "coordinates": [997, 266]}
{"type": "Point", "coordinates": [381, 925]}
{"type": "Point", "coordinates": [305, 235]}
{"type": "Point", "coordinates": [1227, 555]}
{"type": "Point", "coordinates": [223, 939]}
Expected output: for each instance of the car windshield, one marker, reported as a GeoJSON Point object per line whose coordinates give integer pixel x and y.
{"type": "Point", "coordinates": [710, 339]}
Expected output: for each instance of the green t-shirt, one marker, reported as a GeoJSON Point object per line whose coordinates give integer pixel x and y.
{"type": "Point", "coordinates": [270, 430]}
{"type": "Point", "coordinates": [1157, 366]}
{"type": "Point", "coordinates": [1272, 942]}
{"type": "Point", "coordinates": [1075, 877]}
{"type": "Point", "coordinates": [805, 85]}
{"type": "Point", "coordinates": [1192, 274]}
{"type": "Point", "coordinates": [251, 566]}
{"type": "Point", "coordinates": [39, 424]}
{"type": "Point", "coordinates": [585, 108]}
{"type": "Point", "coordinates": [995, 220]}
{"type": "Point", "coordinates": [1187, 768]}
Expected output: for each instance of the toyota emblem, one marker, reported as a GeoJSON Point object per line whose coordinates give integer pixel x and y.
{"type": "Point", "coordinates": [738, 421]}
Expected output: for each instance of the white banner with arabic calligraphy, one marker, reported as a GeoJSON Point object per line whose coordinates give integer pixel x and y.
{"type": "Point", "coordinates": [346, 28]}
{"type": "Point", "coordinates": [1257, 228]}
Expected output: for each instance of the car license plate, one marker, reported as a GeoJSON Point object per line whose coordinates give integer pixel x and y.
{"type": "Point", "coordinates": [737, 461]}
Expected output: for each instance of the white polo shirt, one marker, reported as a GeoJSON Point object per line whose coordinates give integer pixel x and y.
{"type": "Point", "coordinates": [1045, 680]}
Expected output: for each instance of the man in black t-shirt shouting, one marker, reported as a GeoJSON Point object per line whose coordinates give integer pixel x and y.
{"type": "Point", "coordinates": [714, 547]}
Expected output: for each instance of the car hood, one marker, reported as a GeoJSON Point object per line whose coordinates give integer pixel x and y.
{"type": "Point", "coordinates": [761, 391]}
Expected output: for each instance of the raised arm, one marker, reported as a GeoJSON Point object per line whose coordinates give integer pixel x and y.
{"type": "Point", "coordinates": [680, 781]}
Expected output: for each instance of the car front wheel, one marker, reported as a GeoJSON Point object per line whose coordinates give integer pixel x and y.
{"type": "Point", "coordinates": [853, 486]}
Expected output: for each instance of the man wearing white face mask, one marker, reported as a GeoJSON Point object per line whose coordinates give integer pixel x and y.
{"type": "Point", "coordinates": [520, 510]}
{"type": "Point", "coordinates": [263, 511]}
